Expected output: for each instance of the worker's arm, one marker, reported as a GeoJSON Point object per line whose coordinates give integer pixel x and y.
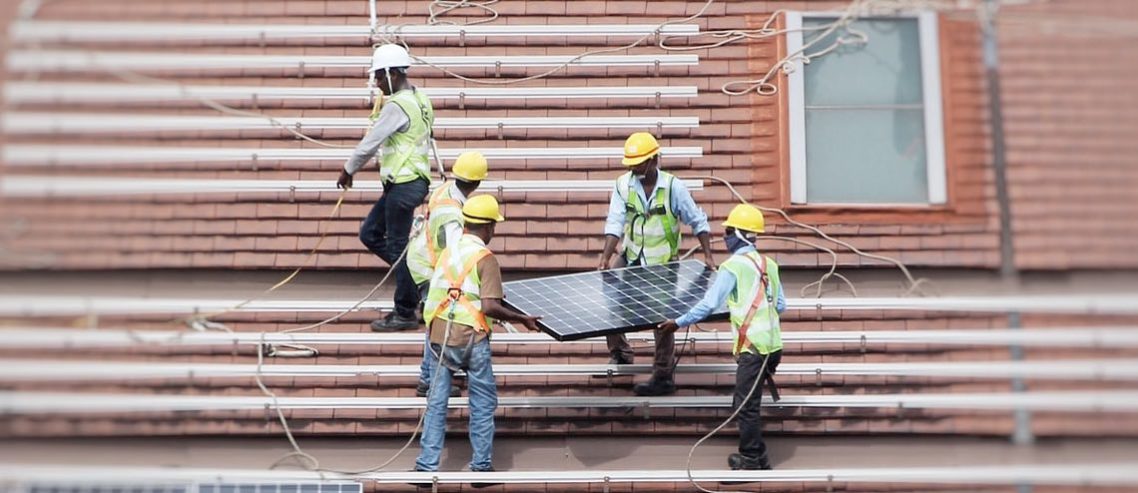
{"type": "Point", "coordinates": [452, 231]}
{"type": "Point", "coordinates": [391, 119]}
{"type": "Point", "coordinates": [491, 293]}
{"type": "Point", "coordinates": [614, 228]}
{"type": "Point", "coordinates": [494, 308]}
{"type": "Point", "coordinates": [714, 298]}
{"type": "Point", "coordinates": [692, 215]}
{"type": "Point", "coordinates": [780, 305]}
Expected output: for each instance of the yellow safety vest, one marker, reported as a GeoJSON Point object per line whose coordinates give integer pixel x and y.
{"type": "Point", "coordinates": [455, 287]}
{"type": "Point", "coordinates": [444, 207]}
{"type": "Point", "coordinates": [651, 234]}
{"type": "Point", "coordinates": [752, 305]}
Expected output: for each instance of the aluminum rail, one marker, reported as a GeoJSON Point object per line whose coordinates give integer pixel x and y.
{"type": "Point", "coordinates": [1122, 304]}
{"type": "Point", "coordinates": [16, 92]}
{"type": "Point", "coordinates": [1069, 474]}
{"type": "Point", "coordinates": [48, 186]}
{"type": "Point", "coordinates": [18, 123]}
{"type": "Point", "coordinates": [96, 403]}
{"type": "Point", "coordinates": [117, 32]}
{"type": "Point", "coordinates": [93, 61]}
{"type": "Point", "coordinates": [28, 370]}
{"type": "Point", "coordinates": [16, 155]}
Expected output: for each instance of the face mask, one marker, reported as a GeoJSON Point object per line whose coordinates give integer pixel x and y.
{"type": "Point", "coordinates": [734, 242]}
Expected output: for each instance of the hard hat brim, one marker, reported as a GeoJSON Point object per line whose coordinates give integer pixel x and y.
{"type": "Point", "coordinates": [469, 178]}
{"type": "Point", "coordinates": [482, 220]}
{"type": "Point", "coordinates": [729, 224]}
{"type": "Point", "coordinates": [635, 161]}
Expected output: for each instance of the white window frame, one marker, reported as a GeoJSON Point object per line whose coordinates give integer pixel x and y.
{"type": "Point", "coordinates": [934, 113]}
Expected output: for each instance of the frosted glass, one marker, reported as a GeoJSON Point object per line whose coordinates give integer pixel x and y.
{"type": "Point", "coordinates": [887, 70]}
{"type": "Point", "coordinates": [866, 156]}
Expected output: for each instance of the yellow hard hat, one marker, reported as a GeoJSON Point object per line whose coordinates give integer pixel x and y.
{"type": "Point", "coordinates": [639, 147]}
{"type": "Point", "coordinates": [482, 209]}
{"type": "Point", "coordinates": [470, 166]}
{"type": "Point", "coordinates": [747, 218]}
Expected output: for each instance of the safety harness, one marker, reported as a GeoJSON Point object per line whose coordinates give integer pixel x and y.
{"type": "Point", "coordinates": [764, 283]}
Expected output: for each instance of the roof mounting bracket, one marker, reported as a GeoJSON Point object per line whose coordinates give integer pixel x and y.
{"type": "Point", "coordinates": [261, 39]}
{"type": "Point", "coordinates": [818, 377]}
{"type": "Point", "coordinates": [292, 194]}
{"type": "Point", "coordinates": [498, 68]}
{"type": "Point", "coordinates": [462, 100]}
{"type": "Point", "coordinates": [659, 96]}
{"type": "Point", "coordinates": [254, 160]}
{"type": "Point", "coordinates": [656, 67]}
{"type": "Point", "coordinates": [609, 374]}
{"type": "Point", "coordinates": [300, 69]}
{"type": "Point", "coordinates": [659, 130]}
{"type": "Point", "coordinates": [462, 37]}
{"type": "Point", "coordinates": [501, 128]}
{"type": "Point", "coordinates": [608, 480]}
{"type": "Point", "coordinates": [863, 341]}
{"type": "Point", "coordinates": [253, 101]}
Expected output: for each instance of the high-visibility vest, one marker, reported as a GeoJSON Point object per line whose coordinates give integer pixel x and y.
{"type": "Point", "coordinates": [405, 153]}
{"type": "Point", "coordinates": [752, 304]}
{"type": "Point", "coordinates": [651, 234]}
{"type": "Point", "coordinates": [455, 287]}
{"type": "Point", "coordinates": [444, 207]}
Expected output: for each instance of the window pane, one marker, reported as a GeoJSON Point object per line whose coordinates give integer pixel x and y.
{"type": "Point", "coordinates": [887, 70]}
{"type": "Point", "coordinates": [866, 156]}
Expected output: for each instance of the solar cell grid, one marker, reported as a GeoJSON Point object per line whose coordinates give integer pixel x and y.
{"type": "Point", "coordinates": [588, 304]}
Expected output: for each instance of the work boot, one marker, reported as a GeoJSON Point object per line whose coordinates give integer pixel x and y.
{"type": "Point", "coordinates": [483, 485]}
{"type": "Point", "coordinates": [740, 462]}
{"type": "Point", "coordinates": [655, 387]}
{"type": "Point", "coordinates": [424, 388]}
{"type": "Point", "coordinates": [394, 322]}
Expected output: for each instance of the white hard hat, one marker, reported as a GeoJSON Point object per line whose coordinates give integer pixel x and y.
{"type": "Point", "coordinates": [390, 56]}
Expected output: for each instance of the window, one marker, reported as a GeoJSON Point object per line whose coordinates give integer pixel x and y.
{"type": "Point", "coordinates": [866, 125]}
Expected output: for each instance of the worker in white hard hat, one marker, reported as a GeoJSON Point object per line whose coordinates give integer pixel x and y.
{"type": "Point", "coordinates": [749, 284]}
{"type": "Point", "coordinates": [443, 229]}
{"type": "Point", "coordinates": [645, 212]}
{"type": "Point", "coordinates": [402, 127]}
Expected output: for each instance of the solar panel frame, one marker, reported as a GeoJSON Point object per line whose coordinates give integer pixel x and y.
{"type": "Point", "coordinates": [595, 303]}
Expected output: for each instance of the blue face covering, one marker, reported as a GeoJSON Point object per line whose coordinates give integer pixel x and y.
{"type": "Point", "coordinates": [734, 242]}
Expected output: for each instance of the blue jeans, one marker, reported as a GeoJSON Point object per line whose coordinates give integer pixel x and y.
{"type": "Point", "coordinates": [385, 233]}
{"type": "Point", "coordinates": [483, 402]}
{"type": "Point", "coordinates": [429, 360]}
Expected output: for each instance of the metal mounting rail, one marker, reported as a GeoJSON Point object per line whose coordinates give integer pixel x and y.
{"type": "Point", "coordinates": [17, 92]}
{"type": "Point", "coordinates": [94, 403]}
{"type": "Point", "coordinates": [112, 156]}
{"type": "Point", "coordinates": [20, 123]}
{"type": "Point", "coordinates": [100, 61]}
{"type": "Point", "coordinates": [49, 186]}
{"type": "Point", "coordinates": [70, 370]}
{"type": "Point", "coordinates": [1089, 337]}
{"type": "Point", "coordinates": [1068, 475]}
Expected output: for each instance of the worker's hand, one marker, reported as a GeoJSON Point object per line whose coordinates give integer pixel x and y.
{"type": "Point", "coordinates": [530, 323]}
{"type": "Point", "coordinates": [668, 326]}
{"type": "Point", "coordinates": [604, 265]}
{"type": "Point", "coordinates": [345, 181]}
{"type": "Point", "coordinates": [709, 260]}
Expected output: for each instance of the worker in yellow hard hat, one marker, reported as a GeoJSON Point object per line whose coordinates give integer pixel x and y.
{"type": "Point", "coordinates": [465, 298]}
{"type": "Point", "coordinates": [645, 212]}
{"type": "Point", "coordinates": [443, 228]}
{"type": "Point", "coordinates": [401, 125]}
{"type": "Point", "coordinates": [749, 283]}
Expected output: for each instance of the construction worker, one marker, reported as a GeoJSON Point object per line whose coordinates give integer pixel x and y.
{"type": "Point", "coordinates": [646, 208]}
{"type": "Point", "coordinates": [402, 126]}
{"type": "Point", "coordinates": [749, 283]}
{"type": "Point", "coordinates": [465, 297]}
{"type": "Point", "coordinates": [443, 229]}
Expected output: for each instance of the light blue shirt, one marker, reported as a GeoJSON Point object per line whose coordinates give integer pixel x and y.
{"type": "Point", "coordinates": [718, 293]}
{"type": "Point", "coordinates": [683, 206]}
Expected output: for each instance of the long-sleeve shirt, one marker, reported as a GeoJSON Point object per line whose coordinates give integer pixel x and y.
{"type": "Point", "coordinates": [453, 229]}
{"type": "Point", "coordinates": [391, 119]}
{"type": "Point", "coordinates": [682, 205]}
{"type": "Point", "coordinates": [718, 293]}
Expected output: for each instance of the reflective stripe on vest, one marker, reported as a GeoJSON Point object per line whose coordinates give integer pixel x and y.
{"type": "Point", "coordinates": [425, 247]}
{"type": "Point", "coordinates": [455, 286]}
{"type": "Point", "coordinates": [650, 233]}
{"type": "Point", "coordinates": [754, 316]}
{"type": "Point", "coordinates": [405, 153]}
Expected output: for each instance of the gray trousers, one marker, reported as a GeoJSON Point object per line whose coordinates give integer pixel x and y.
{"type": "Point", "coordinates": [665, 355]}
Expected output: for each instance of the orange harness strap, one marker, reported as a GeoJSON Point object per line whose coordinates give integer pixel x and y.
{"type": "Point", "coordinates": [755, 304]}
{"type": "Point", "coordinates": [455, 294]}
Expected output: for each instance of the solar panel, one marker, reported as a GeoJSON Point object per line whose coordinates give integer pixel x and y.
{"type": "Point", "coordinates": [589, 304]}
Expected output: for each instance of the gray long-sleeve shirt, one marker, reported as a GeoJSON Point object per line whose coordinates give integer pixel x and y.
{"type": "Point", "coordinates": [391, 119]}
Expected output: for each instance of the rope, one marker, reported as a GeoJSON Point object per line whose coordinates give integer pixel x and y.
{"type": "Point", "coordinates": [914, 283]}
